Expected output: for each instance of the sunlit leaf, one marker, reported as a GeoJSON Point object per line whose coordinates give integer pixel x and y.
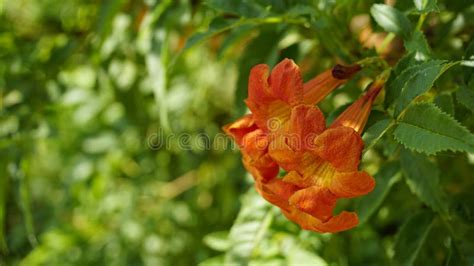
{"type": "Point", "coordinates": [249, 228]}
{"type": "Point", "coordinates": [391, 19]}
{"type": "Point", "coordinates": [426, 6]}
{"type": "Point", "coordinates": [218, 240]}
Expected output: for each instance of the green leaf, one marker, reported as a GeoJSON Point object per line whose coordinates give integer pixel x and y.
{"type": "Point", "coordinates": [108, 11]}
{"type": "Point", "coordinates": [418, 45]}
{"type": "Point", "coordinates": [411, 238]}
{"type": "Point", "coordinates": [297, 255]}
{"type": "Point", "coordinates": [421, 81]}
{"type": "Point", "coordinates": [217, 25]}
{"type": "Point", "coordinates": [404, 71]}
{"type": "Point", "coordinates": [465, 96]}
{"type": "Point", "coordinates": [3, 200]}
{"type": "Point", "coordinates": [375, 132]}
{"type": "Point", "coordinates": [391, 19]}
{"type": "Point", "coordinates": [217, 240]}
{"type": "Point", "coordinates": [454, 257]}
{"type": "Point", "coordinates": [445, 103]}
{"type": "Point", "coordinates": [240, 8]}
{"type": "Point", "coordinates": [386, 177]}
{"type": "Point", "coordinates": [468, 63]}
{"type": "Point", "coordinates": [249, 228]}
{"type": "Point", "coordinates": [425, 128]}
{"type": "Point", "coordinates": [25, 204]}
{"type": "Point", "coordinates": [426, 6]}
{"type": "Point", "coordinates": [233, 38]}
{"type": "Point", "coordinates": [213, 261]}
{"type": "Point", "coordinates": [422, 177]}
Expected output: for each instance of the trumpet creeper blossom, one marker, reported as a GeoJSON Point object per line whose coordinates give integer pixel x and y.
{"type": "Point", "coordinates": [287, 131]}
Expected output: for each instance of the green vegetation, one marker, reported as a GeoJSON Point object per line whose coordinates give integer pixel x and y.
{"type": "Point", "coordinates": [111, 150]}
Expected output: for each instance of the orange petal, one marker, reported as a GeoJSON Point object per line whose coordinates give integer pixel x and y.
{"type": "Point", "coordinates": [286, 82]}
{"type": "Point", "coordinates": [262, 169]}
{"type": "Point", "coordinates": [277, 192]}
{"type": "Point", "coordinates": [316, 201]}
{"type": "Point", "coordinates": [255, 155]}
{"type": "Point", "coordinates": [340, 146]}
{"type": "Point", "coordinates": [319, 87]}
{"type": "Point", "coordinates": [259, 89]}
{"type": "Point", "coordinates": [353, 184]}
{"type": "Point", "coordinates": [282, 153]}
{"type": "Point", "coordinates": [293, 177]}
{"type": "Point", "coordinates": [255, 143]}
{"type": "Point", "coordinates": [356, 115]}
{"type": "Point", "coordinates": [238, 129]}
{"type": "Point", "coordinates": [341, 222]}
{"type": "Point", "coordinates": [306, 122]}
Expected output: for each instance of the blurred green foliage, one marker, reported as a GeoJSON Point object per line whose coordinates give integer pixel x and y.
{"type": "Point", "coordinates": [92, 93]}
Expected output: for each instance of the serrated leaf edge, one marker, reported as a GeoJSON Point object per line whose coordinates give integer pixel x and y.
{"type": "Point", "coordinates": [442, 112]}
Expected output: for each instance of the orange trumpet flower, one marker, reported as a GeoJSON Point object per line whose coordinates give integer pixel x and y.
{"type": "Point", "coordinates": [286, 130]}
{"type": "Point", "coordinates": [323, 170]}
{"type": "Point", "coordinates": [271, 99]}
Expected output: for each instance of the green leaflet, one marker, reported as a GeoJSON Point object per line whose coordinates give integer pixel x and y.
{"type": "Point", "coordinates": [406, 69]}
{"type": "Point", "coordinates": [218, 25]}
{"type": "Point", "coordinates": [425, 128]}
{"type": "Point", "coordinates": [420, 81]}
{"type": "Point", "coordinates": [417, 44]}
{"type": "Point", "coordinates": [468, 63]}
{"type": "Point", "coordinates": [217, 240]}
{"type": "Point", "coordinates": [426, 6]}
{"type": "Point", "coordinates": [422, 177]}
{"type": "Point", "coordinates": [445, 103]}
{"type": "Point", "coordinates": [386, 177]}
{"type": "Point", "coordinates": [249, 228]}
{"type": "Point", "coordinates": [373, 134]}
{"type": "Point", "coordinates": [411, 238]}
{"type": "Point", "coordinates": [391, 19]}
{"type": "Point", "coordinates": [465, 96]}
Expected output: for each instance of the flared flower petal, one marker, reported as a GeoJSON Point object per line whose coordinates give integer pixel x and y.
{"type": "Point", "coordinates": [238, 129]}
{"type": "Point", "coordinates": [287, 148]}
{"type": "Point", "coordinates": [306, 122]}
{"type": "Point", "coordinates": [341, 222]}
{"type": "Point", "coordinates": [262, 169]}
{"type": "Point", "coordinates": [351, 184]}
{"type": "Point", "coordinates": [316, 201]}
{"type": "Point", "coordinates": [277, 192]}
{"type": "Point", "coordinates": [255, 155]}
{"type": "Point", "coordinates": [341, 146]}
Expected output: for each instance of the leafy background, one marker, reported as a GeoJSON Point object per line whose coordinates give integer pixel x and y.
{"type": "Point", "coordinates": [92, 91]}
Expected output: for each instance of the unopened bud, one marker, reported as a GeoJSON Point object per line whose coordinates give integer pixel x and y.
{"type": "Point", "coordinates": [345, 72]}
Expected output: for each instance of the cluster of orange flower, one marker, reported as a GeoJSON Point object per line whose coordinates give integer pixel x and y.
{"type": "Point", "coordinates": [287, 130]}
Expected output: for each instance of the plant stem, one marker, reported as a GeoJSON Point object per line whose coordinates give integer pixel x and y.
{"type": "Point", "coordinates": [420, 21]}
